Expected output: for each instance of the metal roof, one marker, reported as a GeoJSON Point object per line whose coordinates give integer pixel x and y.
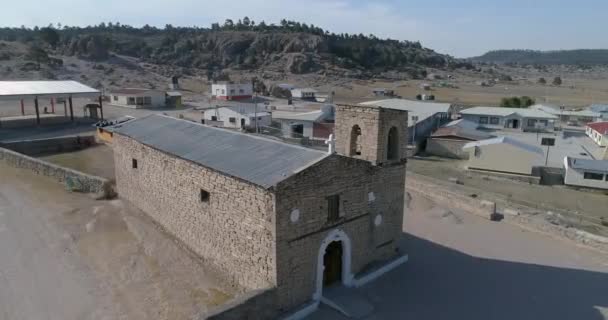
{"type": "Point", "coordinates": [557, 111]}
{"type": "Point", "coordinates": [599, 107]}
{"type": "Point", "coordinates": [261, 161]}
{"type": "Point", "coordinates": [422, 110]}
{"type": "Point", "coordinates": [313, 116]}
{"type": "Point", "coordinates": [587, 164]}
{"type": "Point", "coordinates": [17, 90]}
{"type": "Point", "coordinates": [503, 112]}
{"type": "Point", "coordinates": [461, 132]}
{"type": "Point", "coordinates": [507, 140]}
{"type": "Point", "coordinates": [601, 127]}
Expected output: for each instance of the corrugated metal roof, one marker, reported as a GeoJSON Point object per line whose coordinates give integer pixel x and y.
{"type": "Point", "coordinates": [507, 140]}
{"type": "Point", "coordinates": [16, 90]}
{"type": "Point", "coordinates": [601, 127]}
{"type": "Point", "coordinates": [503, 112]}
{"type": "Point", "coordinates": [313, 116]}
{"type": "Point", "coordinates": [261, 161]}
{"type": "Point", "coordinates": [422, 110]}
{"type": "Point", "coordinates": [586, 164]}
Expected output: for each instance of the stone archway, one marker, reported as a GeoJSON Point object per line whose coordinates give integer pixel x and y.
{"type": "Point", "coordinates": [335, 236]}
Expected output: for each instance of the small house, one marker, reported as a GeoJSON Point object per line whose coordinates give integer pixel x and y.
{"type": "Point", "coordinates": [174, 99]}
{"type": "Point", "coordinates": [238, 117]}
{"type": "Point", "coordinates": [313, 125]}
{"type": "Point", "coordinates": [497, 118]}
{"type": "Point", "coordinates": [304, 93]}
{"type": "Point", "coordinates": [504, 155]}
{"type": "Point", "coordinates": [137, 98]}
{"type": "Point", "coordinates": [383, 92]}
{"type": "Point", "coordinates": [449, 140]}
{"type": "Point", "coordinates": [598, 132]}
{"type": "Point", "coordinates": [228, 90]}
{"type": "Point", "coordinates": [586, 173]}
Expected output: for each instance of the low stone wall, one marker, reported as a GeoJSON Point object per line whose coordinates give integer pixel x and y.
{"type": "Point", "coordinates": [81, 182]}
{"type": "Point", "coordinates": [443, 195]}
{"type": "Point", "coordinates": [258, 304]}
{"type": "Point", "coordinates": [52, 145]}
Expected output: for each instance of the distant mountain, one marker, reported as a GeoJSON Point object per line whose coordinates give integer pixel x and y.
{"type": "Point", "coordinates": [290, 46]}
{"type": "Point", "coordinates": [559, 57]}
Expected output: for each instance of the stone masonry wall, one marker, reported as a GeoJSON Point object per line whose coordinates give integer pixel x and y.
{"type": "Point", "coordinates": [375, 124]}
{"type": "Point", "coordinates": [52, 145]}
{"type": "Point", "coordinates": [299, 242]}
{"type": "Point", "coordinates": [82, 182]}
{"type": "Point", "coordinates": [233, 232]}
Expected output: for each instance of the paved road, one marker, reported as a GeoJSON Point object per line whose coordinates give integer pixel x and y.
{"type": "Point", "coordinates": [464, 267]}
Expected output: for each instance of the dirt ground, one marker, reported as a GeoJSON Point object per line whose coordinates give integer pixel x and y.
{"type": "Point", "coordinates": [592, 204]}
{"type": "Point", "coordinates": [97, 160]}
{"type": "Point", "coordinates": [66, 256]}
{"type": "Point", "coordinates": [462, 266]}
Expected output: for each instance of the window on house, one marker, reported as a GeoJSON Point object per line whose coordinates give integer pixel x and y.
{"type": "Point", "coordinates": [140, 100]}
{"type": "Point", "coordinates": [134, 163]}
{"type": "Point", "coordinates": [131, 100]}
{"type": "Point", "coordinates": [544, 122]}
{"type": "Point", "coordinates": [213, 118]}
{"type": "Point", "coordinates": [483, 120]}
{"type": "Point", "coordinates": [333, 208]}
{"type": "Point", "coordinates": [115, 98]}
{"type": "Point", "coordinates": [147, 100]}
{"type": "Point", "coordinates": [593, 176]}
{"type": "Point", "coordinates": [204, 196]}
{"type": "Point", "coordinates": [231, 91]}
{"type": "Point", "coordinates": [241, 91]}
{"type": "Point", "coordinates": [393, 144]}
{"type": "Point", "coordinates": [232, 119]}
{"type": "Point", "coordinates": [531, 122]}
{"type": "Point", "coordinates": [223, 91]}
{"type": "Point", "coordinates": [494, 120]}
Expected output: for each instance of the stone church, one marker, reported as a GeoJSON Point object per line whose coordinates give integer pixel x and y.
{"type": "Point", "coordinates": [274, 217]}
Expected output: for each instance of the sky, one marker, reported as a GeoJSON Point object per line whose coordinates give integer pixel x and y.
{"type": "Point", "coordinates": [462, 28]}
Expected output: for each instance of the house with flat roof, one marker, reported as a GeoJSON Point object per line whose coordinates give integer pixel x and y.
{"type": "Point", "coordinates": [275, 220]}
{"type": "Point", "coordinates": [237, 117]}
{"type": "Point", "coordinates": [598, 132]}
{"type": "Point", "coordinates": [586, 173]}
{"type": "Point", "coordinates": [423, 117]}
{"type": "Point", "coordinates": [228, 90]}
{"type": "Point", "coordinates": [519, 119]}
{"type": "Point", "coordinates": [304, 93]}
{"type": "Point", "coordinates": [504, 155]}
{"type": "Point", "coordinates": [137, 98]}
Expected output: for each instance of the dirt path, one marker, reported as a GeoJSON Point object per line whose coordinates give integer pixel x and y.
{"type": "Point", "coordinates": [465, 267]}
{"type": "Point", "coordinates": [66, 256]}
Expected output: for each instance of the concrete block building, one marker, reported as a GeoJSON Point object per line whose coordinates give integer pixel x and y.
{"type": "Point", "coordinates": [137, 98]}
{"type": "Point", "coordinates": [228, 90]}
{"type": "Point", "coordinates": [270, 215]}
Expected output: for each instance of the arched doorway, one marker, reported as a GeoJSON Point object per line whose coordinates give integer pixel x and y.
{"type": "Point", "coordinates": [392, 152]}
{"type": "Point", "coordinates": [355, 141]}
{"type": "Point", "coordinates": [333, 262]}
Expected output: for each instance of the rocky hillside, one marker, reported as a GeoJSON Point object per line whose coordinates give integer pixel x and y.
{"type": "Point", "coordinates": [290, 47]}
{"type": "Point", "coordinates": [583, 57]}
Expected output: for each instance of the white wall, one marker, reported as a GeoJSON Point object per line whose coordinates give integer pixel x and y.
{"type": "Point", "coordinates": [227, 90]}
{"type": "Point", "coordinates": [576, 177]}
{"type": "Point", "coordinates": [504, 157]}
{"type": "Point", "coordinates": [601, 140]}
{"type": "Point", "coordinates": [224, 114]}
{"type": "Point", "coordinates": [476, 119]}
{"type": "Point", "coordinates": [157, 99]}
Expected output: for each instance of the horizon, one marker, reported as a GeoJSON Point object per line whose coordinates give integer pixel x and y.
{"type": "Point", "coordinates": [468, 29]}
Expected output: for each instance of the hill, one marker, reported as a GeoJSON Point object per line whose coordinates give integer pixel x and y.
{"type": "Point", "coordinates": [290, 47]}
{"type": "Point", "coordinates": [561, 57]}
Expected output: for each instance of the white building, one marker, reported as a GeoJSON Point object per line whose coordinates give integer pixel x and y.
{"type": "Point", "coordinates": [137, 98]}
{"type": "Point", "coordinates": [238, 117]}
{"type": "Point", "coordinates": [574, 117]}
{"type": "Point", "coordinates": [510, 118]}
{"type": "Point", "coordinates": [423, 117]}
{"type": "Point", "coordinates": [231, 91]}
{"type": "Point", "coordinates": [303, 93]}
{"type": "Point", "coordinates": [586, 173]}
{"type": "Point", "coordinates": [504, 155]}
{"type": "Point", "coordinates": [598, 132]}
{"type": "Point", "coordinates": [314, 125]}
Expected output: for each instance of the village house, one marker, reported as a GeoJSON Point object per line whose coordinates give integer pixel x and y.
{"type": "Point", "coordinates": [449, 140]}
{"type": "Point", "coordinates": [228, 90]}
{"type": "Point", "coordinates": [598, 132]}
{"type": "Point", "coordinates": [504, 155]}
{"type": "Point", "coordinates": [304, 94]}
{"type": "Point", "coordinates": [272, 217]}
{"type": "Point", "coordinates": [383, 92]}
{"type": "Point", "coordinates": [424, 117]}
{"type": "Point", "coordinates": [137, 98]}
{"type": "Point", "coordinates": [569, 117]}
{"type": "Point", "coordinates": [237, 117]}
{"type": "Point", "coordinates": [497, 118]}
{"type": "Point", "coordinates": [314, 125]}
{"type": "Point", "coordinates": [586, 173]}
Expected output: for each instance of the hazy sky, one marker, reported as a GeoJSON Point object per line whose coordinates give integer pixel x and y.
{"type": "Point", "coordinates": [458, 27]}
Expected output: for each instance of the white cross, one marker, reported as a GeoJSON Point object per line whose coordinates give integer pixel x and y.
{"type": "Point", "coordinates": [331, 143]}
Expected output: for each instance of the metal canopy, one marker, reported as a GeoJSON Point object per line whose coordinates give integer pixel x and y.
{"type": "Point", "coordinates": [18, 90]}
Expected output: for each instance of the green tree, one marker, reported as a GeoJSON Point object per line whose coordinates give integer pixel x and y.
{"type": "Point", "coordinates": [50, 36]}
{"type": "Point", "coordinates": [557, 81]}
